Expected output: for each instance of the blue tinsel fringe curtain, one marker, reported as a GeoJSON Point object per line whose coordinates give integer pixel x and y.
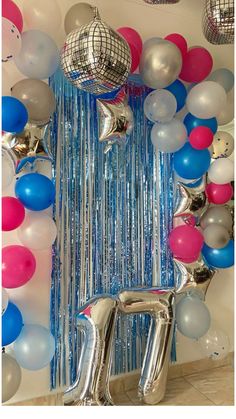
{"type": "Point", "coordinates": [113, 213]}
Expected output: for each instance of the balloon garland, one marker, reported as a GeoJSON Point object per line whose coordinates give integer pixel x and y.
{"type": "Point", "coordinates": [205, 242]}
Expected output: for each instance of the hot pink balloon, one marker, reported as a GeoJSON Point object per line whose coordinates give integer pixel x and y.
{"type": "Point", "coordinates": [179, 41]}
{"type": "Point", "coordinates": [12, 12]}
{"type": "Point", "coordinates": [132, 37]}
{"type": "Point", "coordinates": [219, 194]}
{"type": "Point", "coordinates": [13, 213]}
{"type": "Point", "coordinates": [197, 65]}
{"type": "Point", "coordinates": [186, 243]}
{"type": "Point", "coordinates": [201, 137]}
{"type": "Point", "coordinates": [18, 266]}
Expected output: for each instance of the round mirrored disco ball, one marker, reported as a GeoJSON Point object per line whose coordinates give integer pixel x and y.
{"type": "Point", "coordinates": [95, 58]}
{"type": "Point", "coordinates": [218, 21]}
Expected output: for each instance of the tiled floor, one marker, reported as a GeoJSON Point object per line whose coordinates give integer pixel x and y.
{"type": "Point", "coordinates": [207, 388]}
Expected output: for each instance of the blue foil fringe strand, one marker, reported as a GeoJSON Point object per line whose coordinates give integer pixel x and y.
{"type": "Point", "coordinates": [113, 213]}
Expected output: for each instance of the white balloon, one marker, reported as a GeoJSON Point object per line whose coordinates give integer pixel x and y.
{"type": "Point", "coordinates": [38, 231]}
{"type": "Point", "coordinates": [44, 15]}
{"type": "Point", "coordinates": [206, 100]}
{"type": "Point", "coordinates": [5, 300]}
{"type": "Point", "coordinates": [221, 171]}
{"type": "Point", "coordinates": [169, 136]}
{"type": "Point", "coordinates": [11, 40]}
{"type": "Point", "coordinates": [215, 344]}
{"type": "Point", "coordinates": [160, 106]}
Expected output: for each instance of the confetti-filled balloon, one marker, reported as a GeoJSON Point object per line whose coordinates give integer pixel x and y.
{"type": "Point", "coordinates": [160, 106]}
{"type": "Point", "coordinates": [13, 213]}
{"type": "Point", "coordinates": [11, 40]}
{"type": "Point", "coordinates": [215, 344]}
{"type": "Point", "coordinates": [12, 12]}
{"type": "Point", "coordinates": [223, 145]}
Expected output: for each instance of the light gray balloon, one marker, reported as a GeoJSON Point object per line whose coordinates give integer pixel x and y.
{"type": "Point", "coordinates": [160, 64]}
{"type": "Point", "coordinates": [223, 145]}
{"type": "Point", "coordinates": [206, 100]}
{"type": "Point", "coordinates": [224, 77]}
{"type": "Point", "coordinates": [192, 317]}
{"type": "Point", "coordinates": [38, 99]}
{"type": "Point", "coordinates": [221, 171]}
{"type": "Point", "coordinates": [34, 348]}
{"type": "Point", "coordinates": [217, 215]}
{"type": "Point", "coordinates": [11, 377]}
{"type": "Point", "coordinates": [216, 236]}
{"type": "Point", "coordinates": [169, 136]}
{"type": "Point", "coordinates": [226, 114]}
{"type": "Point", "coordinates": [78, 15]}
{"type": "Point", "coordinates": [160, 106]}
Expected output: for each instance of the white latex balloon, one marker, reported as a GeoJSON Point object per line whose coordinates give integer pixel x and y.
{"type": "Point", "coordinates": [160, 106]}
{"type": "Point", "coordinates": [11, 40]}
{"type": "Point", "coordinates": [44, 15]}
{"type": "Point", "coordinates": [221, 171]}
{"type": "Point", "coordinates": [8, 169]}
{"type": "Point", "coordinates": [206, 100]}
{"type": "Point", "coordinates": [226, 115]}
{"type": "Point", "coordinates": [169, 136]}
{"type": "Point", "coordinates": [215, 344]}
{"type": "Point", "coordinates": [38, 231]}
{"type": "Point", "coordinates": [5, 300]}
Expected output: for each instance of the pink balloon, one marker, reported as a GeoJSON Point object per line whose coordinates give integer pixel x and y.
{"type": "Point", "coordinates": [18, 266]}
{"type": "Point", "coordinates": [179, 41]}
{"type": "Point", "coordinates": [219, 194]}
{"type": "Point", "coordinates": [13, 213]}
{"type": "Point", "coordinates": [132, 37]}
{"type": "Point", "coordinates": [135, 58]}
{"type": "Point", "coordinates": [12, 12]}
{"type": "Point", "coordinates": [197, 65]}
{"type": "Point", "coordinates": [201, 137]}
{"type": "Point", "coordinates": [186, 243]}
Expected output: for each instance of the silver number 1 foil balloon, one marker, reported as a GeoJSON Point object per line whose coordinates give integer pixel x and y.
{"type": "Point", "coordinates": [160, 304]}
{"type": "Point", "coordinates": [27, 146]}
{"type": "Point", "coordinates": [115, 120]}
{"type": "Point", "coordinates": [96, 320]}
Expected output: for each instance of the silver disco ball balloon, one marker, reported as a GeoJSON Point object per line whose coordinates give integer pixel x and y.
{"type": "Point", "coordinates": [95, 58]}
{"type": "Point", "coordinates": [218, 21]}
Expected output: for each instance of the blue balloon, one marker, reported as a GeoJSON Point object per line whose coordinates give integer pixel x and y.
{"type": "Point", "coordinates": [194, 184]}
{"type": "Point", "coordinates": [219, 258]}
{"type": "Point", "coordinates": [12, 324]}
{"type": "Point", "coordinates": [14, 114]}
{"type": "Point", "coordinates": [191, 122]}
{"type": "Point", "coordinates": [178, 89]}
{"type": "Point", "coordinates": [190, 163]}
{"type": "Point", "coordinates": [35, 191]}
{"type": "Point", "coordinates": [109, 95]}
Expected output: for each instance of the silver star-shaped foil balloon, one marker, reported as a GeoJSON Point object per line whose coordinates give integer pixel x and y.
{"type": "Point", "coordinates": [190, 201]}
{"type": "Point", "coordinates": [28, 146]}
{"type": "Point", "coordinates": [194, 276]}
{"type": "Point", "coordinates": [115, 120]}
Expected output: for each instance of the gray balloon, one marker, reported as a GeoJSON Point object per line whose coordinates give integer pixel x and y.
{"type": "Point", "coordinates": [169, 136]}
{"type": "Point", "coordinates": [11, 377]}
{"type": "Point", "coordinates": [217, 215]}
{"type": "Point", "coordinates": [78, 15]}
{"type": "Point", "coordinates": [192, 317]}
{"type": "Point", "coordinates": [160, 63]}
{"type": "Point", "coordinates": [226, 114]}
{"type": "Point", "coordinates": [216, 236]}
{"type": "Point", "coordinates": [38, 99]}
{"type": "Point", "coordinates": [224, 77]}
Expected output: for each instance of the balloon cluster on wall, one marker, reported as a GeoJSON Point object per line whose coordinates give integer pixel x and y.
{"type": "Point", "coordinates": [25, 118]}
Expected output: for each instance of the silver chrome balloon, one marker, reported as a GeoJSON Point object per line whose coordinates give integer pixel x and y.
{"type": "Point", "coordinates": [95, 58]}
{"type": "Point", "coordinates": [190, 201]}
{"type": "Point", "coordinates": [160, 304]}
{"type": "Point", "coordinates": [27, 146]}
{"type": "Point", "coordinates": [193, 276]}
{"type": "Point", "coordinates": [115, 120]}
{"type": "Point", "coordinates": [96, 320]}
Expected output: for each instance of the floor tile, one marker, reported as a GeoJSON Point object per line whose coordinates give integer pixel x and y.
{"type": "Point", "coordinates": [217, 384]}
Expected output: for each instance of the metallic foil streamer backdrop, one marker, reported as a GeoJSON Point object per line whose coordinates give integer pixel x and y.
{"type": "Point", "coordinates": [113, 213]}
{"type": "Point", "coordinates": [218, 21]}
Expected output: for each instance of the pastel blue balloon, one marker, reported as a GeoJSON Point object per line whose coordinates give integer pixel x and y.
{"type": "Point", "coordinates": [179, 90]}
{"type": "Point", "coordinates": [14, 114]}
{"type": "Point", "coordinates": [190, 163]}
{"type": "Point", "coordinates": [191, 121]}
{"type": "Point", "coordinates": [12, 324]}
{"type": "Point", "coordinates": [219, 258]}
{"type": "Point", "coordinates": [35, 347]}
{"type": "Point", "coordinates": [192, 317]}
{"type": "Point", "coordinates": [224, 77]}
{"type": "Point", "coordinates": [35, 191]}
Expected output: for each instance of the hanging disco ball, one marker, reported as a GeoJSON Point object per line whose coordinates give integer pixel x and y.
{"type": "Point", "coordinates": [95, 58]}
{"type": "Point", "coordinates": [218, 21]}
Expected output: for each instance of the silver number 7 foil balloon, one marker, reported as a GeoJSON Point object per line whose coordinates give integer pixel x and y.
{"type": "Point", "coordinates": [160, 304]}
{"type": "Point", "coordinates": [96, 320]}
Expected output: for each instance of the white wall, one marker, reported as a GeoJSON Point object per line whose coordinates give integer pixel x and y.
{"type": "Point", "coordinates": [150, 21]}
